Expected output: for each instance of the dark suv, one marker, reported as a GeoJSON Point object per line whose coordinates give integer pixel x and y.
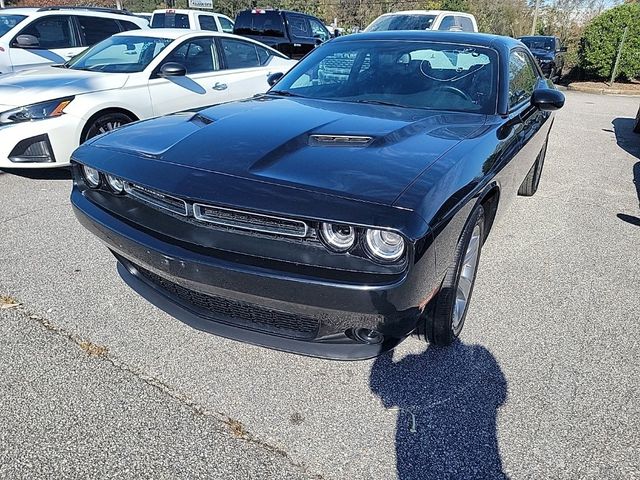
{"type": "Point", "coordinates": [292, 33]}
{"type": "Point", "coordinates": [548, 52]}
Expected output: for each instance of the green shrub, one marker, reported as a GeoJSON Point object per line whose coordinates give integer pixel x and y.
{"type": "Point", "coordinates": [601, 39]}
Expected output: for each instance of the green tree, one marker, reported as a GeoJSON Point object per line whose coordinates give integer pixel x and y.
{"type": "Point", "coordinates": [601, 40]}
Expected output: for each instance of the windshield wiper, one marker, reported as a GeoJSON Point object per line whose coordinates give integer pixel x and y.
{"type": "Point", "coordinates": [284, 93]}
{"type": "Point", "coordinates": [379, 102]}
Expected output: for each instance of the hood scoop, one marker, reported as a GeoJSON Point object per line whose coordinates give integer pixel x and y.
{"type": "Point", "coordinates": [339, 140]}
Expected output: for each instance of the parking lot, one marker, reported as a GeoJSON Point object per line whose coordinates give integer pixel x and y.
{"type": "Point", "coordinates": [543, 384]}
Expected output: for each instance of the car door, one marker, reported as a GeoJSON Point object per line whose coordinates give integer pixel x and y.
{"type": "Point", "coordinates": [207, 22]}
{"type": "Point", "coordinates": [95, 29]}
{"type": "Point", "coordinates": [302, 41]}
{"type": "Point", "coordinates": [225, 24]}
{"type": "Point", "coordinates": [247, 67]}
{"type": "Point", "coordinates": [204, 84]}
{"type": "Point", "coordinates": [527, 138]}
{"type": "Point", "coordinates": [56, 41]}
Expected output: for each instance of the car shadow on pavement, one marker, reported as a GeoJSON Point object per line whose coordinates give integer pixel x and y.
{"type": "Point", "coordinates": [447, 401]}
{"type": "Point", "coordinates": [40, 174]}
{"type": "Point", "coordinates": [630, 142]}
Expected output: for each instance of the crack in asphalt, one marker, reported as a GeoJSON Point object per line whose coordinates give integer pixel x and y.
{"type": "Point", "coordinates": [235, 427]}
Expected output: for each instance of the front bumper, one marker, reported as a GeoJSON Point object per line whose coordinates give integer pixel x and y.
{"type": "Point", "coordinates": [60, 136]}
{"type": "Point", "coordinates": [269, 308]}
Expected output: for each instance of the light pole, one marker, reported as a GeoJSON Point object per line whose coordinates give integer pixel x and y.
{"type": "Point", "coordinates": [535, 18]}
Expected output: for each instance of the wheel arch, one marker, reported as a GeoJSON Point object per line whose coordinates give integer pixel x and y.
{"type": "Point", "coordinates": [489, 201]}
{"type": "Point", "coordinates": [105, 111]}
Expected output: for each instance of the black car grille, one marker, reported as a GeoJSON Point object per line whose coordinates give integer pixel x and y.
{"type": "Point", "coordinates": [157, 199]}
{"type": "Point", "coordinates": [236, 313]}
{"type": "Point", "coordinates": [249, 221]}
{"type": "Point", "coordinates": [220, 217]}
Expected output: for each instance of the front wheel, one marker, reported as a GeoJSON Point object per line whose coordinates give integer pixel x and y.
{"type": "Point", "coordinates": [445, 316]}
{"type": "Point", "coordinates": [104, 123]}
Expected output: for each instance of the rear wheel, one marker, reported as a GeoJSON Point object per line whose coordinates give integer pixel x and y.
{"type": "Point", "coordinates": [104, 123]}
{"type": "Point", "coordinates": [532, 180]}
{"type": "Point", "coordinates": [445, 316]}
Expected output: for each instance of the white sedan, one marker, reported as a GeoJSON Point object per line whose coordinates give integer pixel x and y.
{"type": "Point", "coordinates": [45, 113]}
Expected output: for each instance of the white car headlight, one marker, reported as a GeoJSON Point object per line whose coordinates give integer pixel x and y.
{"type": "Point", "coordinates": [91, 176]}
{"type": "Point", "coordinates": [37, 111]}
{"type": "Point", "coordinates": [338, 238]}
{"type": "Point", "coordinates": [384, 245]}
{"type": "Point", "coordinates": [116, 184]}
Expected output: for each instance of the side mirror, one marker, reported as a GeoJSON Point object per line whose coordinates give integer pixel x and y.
{"type": "Point", "coordinates": [274, 78]}
{"type": "Point", "coordinates": [27, 41]}
{"type": "Point", "coordinates": [547, 99]}
{"type": "Point", "coordinates": [563, 49]}
{"type": "Point", "coordinates": [318, 41]}
{"type": "Point", "coordinates": [172, 69]}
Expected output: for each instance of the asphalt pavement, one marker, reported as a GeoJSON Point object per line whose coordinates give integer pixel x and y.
{"type": "Point", "coordinates": [544, 382]}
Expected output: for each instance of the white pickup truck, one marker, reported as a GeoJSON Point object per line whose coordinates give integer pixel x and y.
{"type": "Point", "coordinates": [424, 20]}
{"type": "Point", "coordinates": [191, 19]}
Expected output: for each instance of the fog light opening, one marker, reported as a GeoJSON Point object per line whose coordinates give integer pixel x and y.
{"type": "Point", "coordinates": [33, 150]}
{"type": "Point", "coordinates": [365, 335]}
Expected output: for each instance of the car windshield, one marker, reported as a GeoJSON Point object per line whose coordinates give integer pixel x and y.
{"type": "Point", "coordinates": [408, 74]}
{"type": "Point", "coordinates": [7, 22]}
{"type": "Point", "coordinates": [543, 43]}
{"type": "Point", "coordinates": [120, 54]}
{"type": "Point", "coordinates": [401, 22]}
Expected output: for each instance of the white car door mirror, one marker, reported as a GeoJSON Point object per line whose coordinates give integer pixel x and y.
{"type": "Point", "coordinates": [173, 69]}
{"type": "Point", "coordinates": [27, 41]}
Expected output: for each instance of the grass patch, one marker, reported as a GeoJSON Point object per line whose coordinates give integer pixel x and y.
{"type": "Point", "coordinates": [92, 349]}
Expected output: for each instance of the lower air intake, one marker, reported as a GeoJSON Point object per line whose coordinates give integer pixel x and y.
{"type": "Point", "coordinates": [236, 313]}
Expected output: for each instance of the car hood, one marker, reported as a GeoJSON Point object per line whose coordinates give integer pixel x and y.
{"type": "Point", "coordinates": [542, 54]}
{"type": "Point", "coordinates": [301, 143]}
{"type": "Point", "coordinates": [45, 83]}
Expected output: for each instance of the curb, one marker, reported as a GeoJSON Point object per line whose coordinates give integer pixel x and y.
{"type": "Point", "coordinates": [603, 91]}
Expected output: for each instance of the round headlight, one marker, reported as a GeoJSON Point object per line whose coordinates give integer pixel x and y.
{"type": "Point", "coordinates": [339, 238]}
{"type": "Point", "coordinates": [384, 245]}
{"type": "Point", "coordinates": [116, 184]}
{"type": "Point", "coordinates": [91, 176]}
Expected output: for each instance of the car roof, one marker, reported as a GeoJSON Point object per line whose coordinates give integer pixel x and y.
{"type": "Point", "coordinates": [537, 36]}
{"type": "Point", "coordinates": [18, 11]}
{"type": "Point", "coordinates": [185, 33]}
{"type": "Point", "coordinates": [466, 38]}
{"type": "Point", "coordinates": [44, 11]}
{"type": "Point", "coordinates": [170, 33]}
{"type": "Point", "coordinates": [426, 12]}
{"type": "Point", "coordinates": [184, 10]}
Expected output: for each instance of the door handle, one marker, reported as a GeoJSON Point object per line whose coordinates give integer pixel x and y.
{"type": "Point", "coordinates": [220, 86]}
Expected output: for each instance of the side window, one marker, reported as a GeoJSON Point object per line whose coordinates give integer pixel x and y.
{"type": "Point", "coordinates": [127, 26]}
{"type": "Point", "coordinates": [52, 32]}
{"type": "Point", "coordinates": [298, 26]}
{"type": "Point", "coordinates": [226, 24]}
{"type": "Point", "coordinates": [465, 24]}
{"type": "Point", "coordinates": [522, 78]}
{"type": "Point", "coordinates": [239, 54]}
{"type": "Point", "coordinates": [557, 44]}
{"type": "Point", "coordinates": [207, 22]}
{"type": "Point", "coordinates": [96, 29]}
{"type": "Point", "coordinates": [448, 23]}
{"type": "Point", "coordinates": [197, 56]}
{"type": "Point", "coordinates": [318, 30]}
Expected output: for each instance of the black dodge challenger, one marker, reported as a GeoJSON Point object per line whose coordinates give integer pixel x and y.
{"type": "Point", "coordinates": [337, 213]}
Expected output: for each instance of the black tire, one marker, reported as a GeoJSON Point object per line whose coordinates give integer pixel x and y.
{"type": "Point", "coordinates": [103, 123]}
{"type": "Point", "coordinates": [437, 325]}
{"type": "Point", "coordinates": [530, 184]}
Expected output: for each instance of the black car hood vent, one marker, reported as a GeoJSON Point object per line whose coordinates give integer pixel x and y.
{"type": "Point", "coordinates": [340, 140]}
